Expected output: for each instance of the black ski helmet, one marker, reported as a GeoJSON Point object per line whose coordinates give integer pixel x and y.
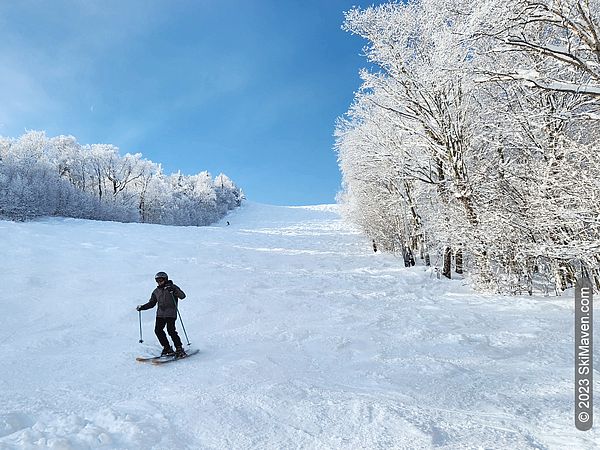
{"type": "Point", "coordinates": [161, 275]}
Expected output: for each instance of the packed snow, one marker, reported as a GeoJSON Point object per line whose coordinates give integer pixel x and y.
{"type": "Point", "coordinates": [307, 339]}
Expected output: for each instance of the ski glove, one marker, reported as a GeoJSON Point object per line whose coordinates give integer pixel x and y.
{"type": "Point", "coordinates": [138, 307]}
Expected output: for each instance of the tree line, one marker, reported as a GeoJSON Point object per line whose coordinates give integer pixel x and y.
{"type": "Point", "coordinates": [57, 176]}
{"type": "Point", "coordinates": [474, 137]}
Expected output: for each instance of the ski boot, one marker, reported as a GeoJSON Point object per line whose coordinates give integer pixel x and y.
{"type": "Point", "coordinates": [180, 352]}
{"type": "Point", "coordinates": [167, 351]}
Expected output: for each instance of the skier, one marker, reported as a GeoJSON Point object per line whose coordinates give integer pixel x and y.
{"type": "Point", "coordinates": [166, 295]}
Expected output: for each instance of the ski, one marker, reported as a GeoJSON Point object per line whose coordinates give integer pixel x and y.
{"type": "Point", "coordinates": [163, 359]}
{"type": "Point", "coordinates": [168, 359]}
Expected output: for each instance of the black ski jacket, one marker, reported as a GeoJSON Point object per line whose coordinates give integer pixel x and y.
{"type": "Point", "coordinates": [166, 296]}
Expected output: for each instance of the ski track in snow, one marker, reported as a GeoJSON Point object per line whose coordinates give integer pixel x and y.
{"type": "Point", "coordinates": [307, 340]}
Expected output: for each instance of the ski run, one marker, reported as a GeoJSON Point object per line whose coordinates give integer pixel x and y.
{"type": "Point", "coordinates": [307, 340]}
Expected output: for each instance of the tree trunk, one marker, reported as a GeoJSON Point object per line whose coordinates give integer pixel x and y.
{"type": "Point", "coordinates": [458, 261]}
{"type": "Point", "coordinates": [447, 270]}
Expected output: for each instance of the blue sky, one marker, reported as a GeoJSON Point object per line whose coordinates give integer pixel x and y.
{"type": "Point", "coordinates": [248, 88]}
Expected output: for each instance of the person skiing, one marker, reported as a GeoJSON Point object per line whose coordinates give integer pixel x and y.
{"type": "Point", "coordinates": [166, 296]}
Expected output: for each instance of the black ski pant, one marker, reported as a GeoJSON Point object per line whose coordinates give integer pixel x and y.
{"type": "Point", "coordinates": [159, 330]}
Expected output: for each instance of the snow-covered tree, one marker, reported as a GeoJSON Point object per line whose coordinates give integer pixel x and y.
{"type": "Point", "coordinates": [471, 137]}
{"type": "Point", "coordinates": [58, 176]}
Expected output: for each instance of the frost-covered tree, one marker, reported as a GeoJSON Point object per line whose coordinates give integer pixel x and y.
{"type": "Point", "coordinates": [420, 83]}
{"type": "Point", "coordinates": [562, 38]}
{"type": "Point", "coordinates": [58, 176]}
{"type": "Point", "coordinates": [471, 137]}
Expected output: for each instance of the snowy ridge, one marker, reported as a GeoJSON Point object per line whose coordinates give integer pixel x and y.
{"type": "Point", "coordinates": [308, 340]}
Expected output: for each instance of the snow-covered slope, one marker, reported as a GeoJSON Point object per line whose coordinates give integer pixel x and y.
{"type": "Point", "coordinates": [307, 340]}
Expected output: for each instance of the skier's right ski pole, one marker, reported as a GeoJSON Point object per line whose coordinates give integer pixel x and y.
{"type": "Point", "coordinates": [140, 314]}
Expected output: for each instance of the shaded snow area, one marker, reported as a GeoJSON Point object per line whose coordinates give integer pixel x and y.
{"type": "Point", "coordinates": [307, 340]}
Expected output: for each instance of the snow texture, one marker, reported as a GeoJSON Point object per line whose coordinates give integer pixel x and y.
{"type": "Point", "coordinates": [307, 339]}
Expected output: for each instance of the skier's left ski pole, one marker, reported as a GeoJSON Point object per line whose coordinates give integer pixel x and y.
{"type": "Point", "coordinates": [141, 340]}
{"type": "Point", "coordinates": [180, 319]}
{"type": "Point", "coordinates": [183, 326]}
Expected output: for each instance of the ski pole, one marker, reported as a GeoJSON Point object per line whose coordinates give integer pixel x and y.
{"type": "Point", "coordinates": [183, 327]}
{"type": "Point", "coordinates": [180, 319]}
{"type": "Point", "coordinates": [140, 314]}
